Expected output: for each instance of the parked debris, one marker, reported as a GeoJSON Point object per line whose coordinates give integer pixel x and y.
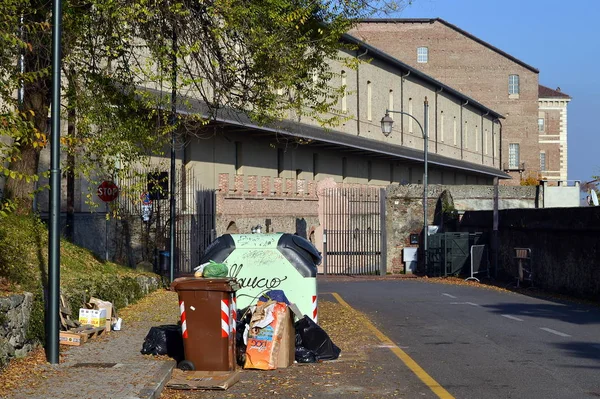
{"type": "Point", "coordinates": [314, 339]}
{"type": "Point", "coordinates": [80, 335]}
{"type": "Point", "coordinates": [214, 380]}
{"type": "Point", "coordinates": [164, 340]}
{"type": "Point", "coordinates": [271, 337]}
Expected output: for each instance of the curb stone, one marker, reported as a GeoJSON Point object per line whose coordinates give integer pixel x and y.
{"type": "Point", "coordinates": [154, 387]}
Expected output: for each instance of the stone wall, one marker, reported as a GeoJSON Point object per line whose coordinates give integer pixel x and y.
{"type": "Point", "coordinates": [15, 311]}
{"type": "Point", "coordinates": [563, 243]}
{"type": "Point", "coordinates": [404, 210]}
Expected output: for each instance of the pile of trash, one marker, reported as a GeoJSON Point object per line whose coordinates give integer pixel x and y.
{"type": "Point", "coordinates": [267, 337]}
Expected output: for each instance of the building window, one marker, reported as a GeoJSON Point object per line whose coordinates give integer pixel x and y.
{"type": "Point", "coordinates": [543, 161]}
{"type": "Point", "coordinates": [454, 129]}
{"type": "Point", "coordinates": [442, 126]}
{"type": "Point", "coordinates": [369, 98]}
{"type": "Point", "coordinates": [345, 93]}
{"type": "Point", "coordinates": [485, 138]}
{"type": "Point", "coordinates": [513, 156]}
{"type": "Point", "coordinates": [280, 164]}
{"type": "Point", "coordinates": [540, 124]}
{"type": "Point", "coordinates": [513, 84]}
{"type": "Point", "coordinates": [422, 55]}
{"type": "Point", "coordinates": [410, 120]}
{"type": "Point", "coordinates": [238, 158]}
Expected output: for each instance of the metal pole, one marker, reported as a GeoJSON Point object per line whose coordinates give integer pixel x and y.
{"type": "Point", "coordinates": [425, 177]}
{"type": "Point", "coordinates": [173, 172]}
{"type": "Point", "coordinates": [325, 252]}
{"type": "Point", "coordinates": [106, 232]}
{"type": "Point", "coordinates": [53, 308]}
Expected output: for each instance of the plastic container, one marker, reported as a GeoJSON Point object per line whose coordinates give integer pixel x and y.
{"type": "Point", "coordinates": [207, 308]}
{"type": "Point", "coordinates": [264, 262]}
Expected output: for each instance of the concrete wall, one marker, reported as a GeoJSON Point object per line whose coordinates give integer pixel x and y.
{"type": "Point", "coordinates": [563, 243]}
{"type": "Point", "coordinates": [404, 210]}
{"type": "Point", "coordinates": [472, 68]}
{"type": "Point", "coordinates": [561, 196]}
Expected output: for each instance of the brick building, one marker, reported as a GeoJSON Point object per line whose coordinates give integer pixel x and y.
{"type": "Point", "coordinates": [476, 68]}
{"type": "Point", "coordinates": [552, 127]}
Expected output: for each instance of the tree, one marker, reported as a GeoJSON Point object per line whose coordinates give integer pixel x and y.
{"type": "Point", "coordinates": [266, 59]}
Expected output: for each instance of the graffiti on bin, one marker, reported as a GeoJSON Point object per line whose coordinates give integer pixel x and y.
{"type": "Point", "coordinates": [267, 283]}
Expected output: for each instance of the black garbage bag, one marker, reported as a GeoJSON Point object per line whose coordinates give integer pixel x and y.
{"type": "Point", "coordinates": [303, 355]}
{"type": "Point", "coordinates": [164, 340]}
{"type": "Point", "coordinates": [315, 339]}
{"type": "Point", "coordinates": [243, 320]}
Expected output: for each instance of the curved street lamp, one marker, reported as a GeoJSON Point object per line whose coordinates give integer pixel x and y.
{"type": "Point", "coordinates": [387, 124]}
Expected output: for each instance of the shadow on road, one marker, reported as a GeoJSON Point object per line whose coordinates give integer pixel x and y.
{"type": "Point", "coordinates": [584, 350]}
{"type": "Point", "coordinates": [568, 313]}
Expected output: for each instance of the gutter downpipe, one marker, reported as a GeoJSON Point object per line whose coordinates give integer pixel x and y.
{"type": "Point", "coordinates": [402, 77]}
{"type": "Point", "coordinates": [436, 118]}
{"type": "Point", "coordinates": [462, 127]}
{"type": "Point", "coordinates": [358, 91]}
{"type": "Point", "coordinates": [482, 136]}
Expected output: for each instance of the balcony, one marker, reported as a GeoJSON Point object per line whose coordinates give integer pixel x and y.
{"type": "Point", "coordinates": [520, 167]}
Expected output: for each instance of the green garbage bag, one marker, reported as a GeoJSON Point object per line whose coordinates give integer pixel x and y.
{"type": "Point", "coordinates": [214, 269]}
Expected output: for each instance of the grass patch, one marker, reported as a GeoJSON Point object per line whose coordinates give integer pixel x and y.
{"type": "Point", "coordinates": [24, 264]}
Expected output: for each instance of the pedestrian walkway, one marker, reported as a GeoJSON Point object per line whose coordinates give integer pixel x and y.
{"type": "Point", "coordinates": [110, 366]}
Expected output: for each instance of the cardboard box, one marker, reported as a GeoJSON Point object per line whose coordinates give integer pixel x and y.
{"type": "Point", "coordinates": [287, 350]}
{"type": "Point", "coordinates": [70, 338]}
{"type": "Point", "coordinates": [95, 317]}
{"type": "Point", "coordinates": [272, 338]}
{"type": "Point", "coordinates": [104, 305]}
{"type": "Point", "coordinates": [219, 380]}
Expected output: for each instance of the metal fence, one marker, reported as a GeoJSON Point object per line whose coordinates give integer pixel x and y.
{"type": "Point", "coordinates": [354, 230]}
{"type": "Point", "coordinates": [145, 197]}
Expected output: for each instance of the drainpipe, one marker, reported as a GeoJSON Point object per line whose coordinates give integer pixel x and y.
{"type": "Point", "coordinates": [482, 136]}
{"type": "Point", "coordinates": [436, 117]}
{"type": "Point", "coordinates": [358, 91]}
{"type": "Point", "coordinates": [402, 106]}
{"type": "Point", "coordinates": [499, 144]}
{"type": "Point", "coordinates": [462, 126]}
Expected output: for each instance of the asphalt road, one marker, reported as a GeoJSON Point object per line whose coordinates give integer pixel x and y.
{"type": "Point", "coordinates": [479, 343]}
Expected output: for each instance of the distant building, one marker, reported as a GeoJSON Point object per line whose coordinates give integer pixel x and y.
{"type": "Point", "coordinates": [552, 128]}
{"type": "Point", "coordinates": [477, 69]}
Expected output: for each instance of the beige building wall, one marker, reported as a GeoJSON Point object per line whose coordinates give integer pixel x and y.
{"type": "Point", "coordinates": [552, 129]}
{"type": "Point", "coordinates": [473, 68]}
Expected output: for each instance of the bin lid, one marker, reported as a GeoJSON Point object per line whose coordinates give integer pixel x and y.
{"type": "Point", "coordinates": [205, 284]}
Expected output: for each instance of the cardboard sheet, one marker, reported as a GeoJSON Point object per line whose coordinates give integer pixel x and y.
{"type": "Point", "coordinates": [215, 380]}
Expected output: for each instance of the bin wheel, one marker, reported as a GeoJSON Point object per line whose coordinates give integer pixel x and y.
{"type": "Point", "coordinates": [186, 365]}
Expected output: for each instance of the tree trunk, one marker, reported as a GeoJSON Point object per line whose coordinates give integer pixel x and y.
{"type": "Point", "coordinates": [18, 190]}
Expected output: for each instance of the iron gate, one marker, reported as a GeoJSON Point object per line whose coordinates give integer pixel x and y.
{"type": "Point", "coordinates": [354, 230]}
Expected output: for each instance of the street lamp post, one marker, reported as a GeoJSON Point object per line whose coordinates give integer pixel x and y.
{"type": "Point", "coordinates": [386, 127]}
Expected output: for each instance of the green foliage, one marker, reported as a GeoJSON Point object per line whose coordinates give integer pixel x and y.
{"type": "Point", "coordinates": [23, 262]}
{"type": "Point", "coordinates": [268, 59]}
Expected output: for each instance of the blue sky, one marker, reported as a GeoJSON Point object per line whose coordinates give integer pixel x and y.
{"type": "Point", "coordinates": [560, 38]}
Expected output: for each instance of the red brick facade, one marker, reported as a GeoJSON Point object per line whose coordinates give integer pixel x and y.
{"type": "Point", "coordinates": [472, 67]}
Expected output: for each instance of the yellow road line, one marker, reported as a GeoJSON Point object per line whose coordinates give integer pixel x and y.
{"type": "Point", "coordinates": [407, 360]}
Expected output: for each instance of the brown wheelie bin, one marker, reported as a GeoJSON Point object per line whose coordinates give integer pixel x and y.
{"type": "Point", "coordinates": [207, 309]}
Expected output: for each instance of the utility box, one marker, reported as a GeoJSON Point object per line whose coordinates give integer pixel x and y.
{"type": "Point", "coordinates": [265, 262]}
{"type": "Point", "coordinates": [409, 256]}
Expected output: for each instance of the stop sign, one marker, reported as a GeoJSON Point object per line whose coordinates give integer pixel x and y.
{"type": "Point", "coordinates": [108, 191]}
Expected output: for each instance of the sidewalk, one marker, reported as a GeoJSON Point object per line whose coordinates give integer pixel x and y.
{"type": "Point", "coordinates": [113, 367]}
{"type": "Point", "coordinates": [110, 366]}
